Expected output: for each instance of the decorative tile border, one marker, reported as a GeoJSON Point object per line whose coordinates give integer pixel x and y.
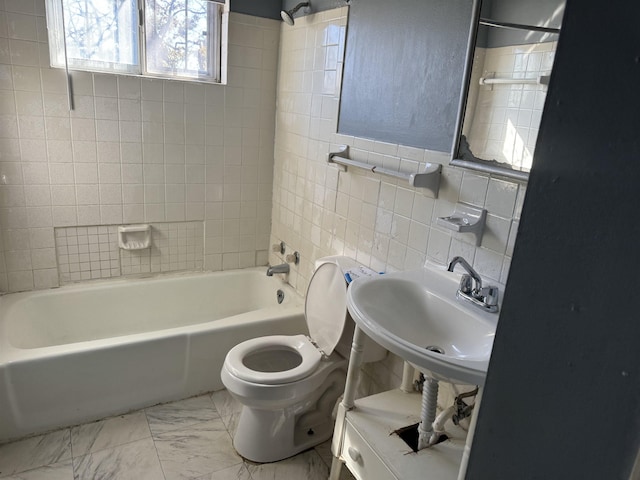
{"type": "Point", "coordinates": [92, 252]}
{"type": "Point", "coordinates": [87, 253]}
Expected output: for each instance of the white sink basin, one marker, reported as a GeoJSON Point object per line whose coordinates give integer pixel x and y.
{"type": "Point", "coordinates": [407, 312]}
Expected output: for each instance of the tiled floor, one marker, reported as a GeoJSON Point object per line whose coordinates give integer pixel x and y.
{"type": "Point", "coordinates": [188, 439]}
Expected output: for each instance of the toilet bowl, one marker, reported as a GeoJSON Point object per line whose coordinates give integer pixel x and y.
{"type": "Point", "coordinates": [288, 385]}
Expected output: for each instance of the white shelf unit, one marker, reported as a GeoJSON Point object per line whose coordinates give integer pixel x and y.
{"type": "Point", "coordinates": [371, 452]}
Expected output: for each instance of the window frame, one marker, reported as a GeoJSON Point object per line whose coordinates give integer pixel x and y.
{"type": "Point", "coordinates": [218, 57]}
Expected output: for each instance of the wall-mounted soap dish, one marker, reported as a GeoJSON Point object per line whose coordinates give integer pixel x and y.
{"type": "Point", "coordinates": [134, 237]}
{"type": "Point", "coordinates": [466, 219]}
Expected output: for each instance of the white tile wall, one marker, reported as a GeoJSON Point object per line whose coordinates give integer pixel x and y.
{"type": "Point", "coordinates": [383, 223]}
{"type": "Point", "coordinates": [133, 150]}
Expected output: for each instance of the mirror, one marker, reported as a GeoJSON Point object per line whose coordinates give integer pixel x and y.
{"type": "Point", "coordinates": [510, 55]}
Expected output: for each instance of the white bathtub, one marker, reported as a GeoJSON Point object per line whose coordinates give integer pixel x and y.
{"type": "Point", "coordinates": [80, 353]}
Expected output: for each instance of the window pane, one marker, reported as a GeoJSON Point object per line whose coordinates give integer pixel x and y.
{"type": "Point", "coordinates": [102, 34]}
{"type": "Point", "coordinates": [181, 37]}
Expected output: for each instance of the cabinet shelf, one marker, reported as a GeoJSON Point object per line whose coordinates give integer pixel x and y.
{"type": "Point", "coordinates": [372, 452]}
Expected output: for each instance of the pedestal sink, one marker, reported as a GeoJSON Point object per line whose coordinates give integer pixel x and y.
{"type": "Point", "coordinates": [416, 315]}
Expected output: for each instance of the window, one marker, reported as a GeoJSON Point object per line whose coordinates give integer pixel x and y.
{"type": "Point", "coordinates": [165, 38]}
{"type": "Point", "coordinates": [179, 40]}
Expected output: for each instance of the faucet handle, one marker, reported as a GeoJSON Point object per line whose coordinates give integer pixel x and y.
{"type": "Point", "coordinates": [279, 248]}
{"type": "Point", "coordinates": [466, 284]}
{"type": "Point", "coordinates": [293, 258]}
{"type": "Point", "coordinates": [490, 295]}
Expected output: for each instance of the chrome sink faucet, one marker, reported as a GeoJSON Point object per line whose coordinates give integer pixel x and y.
{"type": "Point", "coordinates": [283, 268]}
{"type": "Point", "coordinates": [471, 288]}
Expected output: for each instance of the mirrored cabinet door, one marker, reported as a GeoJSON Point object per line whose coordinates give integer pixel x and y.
{"type": "Point", "coordinates": [508, 73]}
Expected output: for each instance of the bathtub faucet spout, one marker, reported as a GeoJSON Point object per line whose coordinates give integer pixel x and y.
{"type": "Point", "coordinates": [283, 268]}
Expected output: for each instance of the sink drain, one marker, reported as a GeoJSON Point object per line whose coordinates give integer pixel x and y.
{"type": "Point", "coordinates": [435, 349]}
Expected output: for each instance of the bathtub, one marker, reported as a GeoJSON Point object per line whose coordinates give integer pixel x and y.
{"type": "Point", "coordinates": [83, 352]}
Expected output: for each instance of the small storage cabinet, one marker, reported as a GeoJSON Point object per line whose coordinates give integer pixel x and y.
{"type": "Point", "coordinates": [364, 440]}
{"type": "Point", "coordinates": [371, 451]}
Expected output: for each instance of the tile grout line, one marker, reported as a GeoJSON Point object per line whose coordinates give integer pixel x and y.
{"type": "Point", "coordinates": [73, 462]}
{"type": "Point", "coordinates": [155, 448]}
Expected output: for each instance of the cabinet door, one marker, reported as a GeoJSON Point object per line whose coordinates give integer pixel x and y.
{"type": "Point", "coordinates": [360, 459]}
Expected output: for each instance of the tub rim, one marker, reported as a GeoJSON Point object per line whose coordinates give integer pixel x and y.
{"type": "Point", "coordinates": [9, 353]}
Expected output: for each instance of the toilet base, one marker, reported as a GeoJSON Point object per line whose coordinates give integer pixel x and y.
{"type": "Point", "coordinates": [266, 436]}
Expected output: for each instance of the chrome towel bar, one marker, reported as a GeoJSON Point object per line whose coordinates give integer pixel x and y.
{"type": "Point", "coordinates": [429, 179]}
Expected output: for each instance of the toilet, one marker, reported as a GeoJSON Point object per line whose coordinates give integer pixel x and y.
{"type": "Point", "coordinates": [288, 385]}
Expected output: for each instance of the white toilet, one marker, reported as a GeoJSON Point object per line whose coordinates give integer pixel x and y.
{"type": "Point", "coordinates": [288, 385]}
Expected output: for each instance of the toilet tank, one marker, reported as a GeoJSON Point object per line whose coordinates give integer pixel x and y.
{"type": "Point", "coordinates": [372, 351]}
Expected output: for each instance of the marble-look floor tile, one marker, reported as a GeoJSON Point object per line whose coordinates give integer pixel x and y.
{"type": "Point", "coordinates": [132, 461]}
{"type": "Point", "coordinates": [109, 433]}
{"type": "Point", "coordinates": [189, 440]}
{"type": "Point", "coordinates": [34, 452]}
{"type": "Point", "coordinates": [237, 472]}
{"type": "Point", "coordinates": [225, 403]}
{"type": "Point", "coordinates": [345, 474]}
{"type": "Point", "coordinates": [181, 414]}
{"type": "Point", "coordinates": [196, 450]}
{"type": "Point", "coordinates": [324, 450]}
{"type": "Point", "coordinates": [306, 466]}
{"type": "Point", "coordinates": [231, 423]}
{"type": "Point", "coordinates": [56, 471]}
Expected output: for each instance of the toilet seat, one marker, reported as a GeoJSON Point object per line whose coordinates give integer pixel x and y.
{"type": "Point", "coordinates": [299, 344]}
{"type": "Point", "coordinates": [325, 314]}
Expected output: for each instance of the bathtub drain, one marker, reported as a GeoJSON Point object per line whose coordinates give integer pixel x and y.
{"type": "Point", "coordinates": [280, 296]}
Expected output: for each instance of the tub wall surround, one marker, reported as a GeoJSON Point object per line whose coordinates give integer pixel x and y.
{"type": "Point", "coordinates": [378, 221]}
{"type": "Point", "coordinates": [133, 150]}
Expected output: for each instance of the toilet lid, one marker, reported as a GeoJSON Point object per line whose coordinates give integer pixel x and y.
{"type": "Point", "coordinates": [326, 306]}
